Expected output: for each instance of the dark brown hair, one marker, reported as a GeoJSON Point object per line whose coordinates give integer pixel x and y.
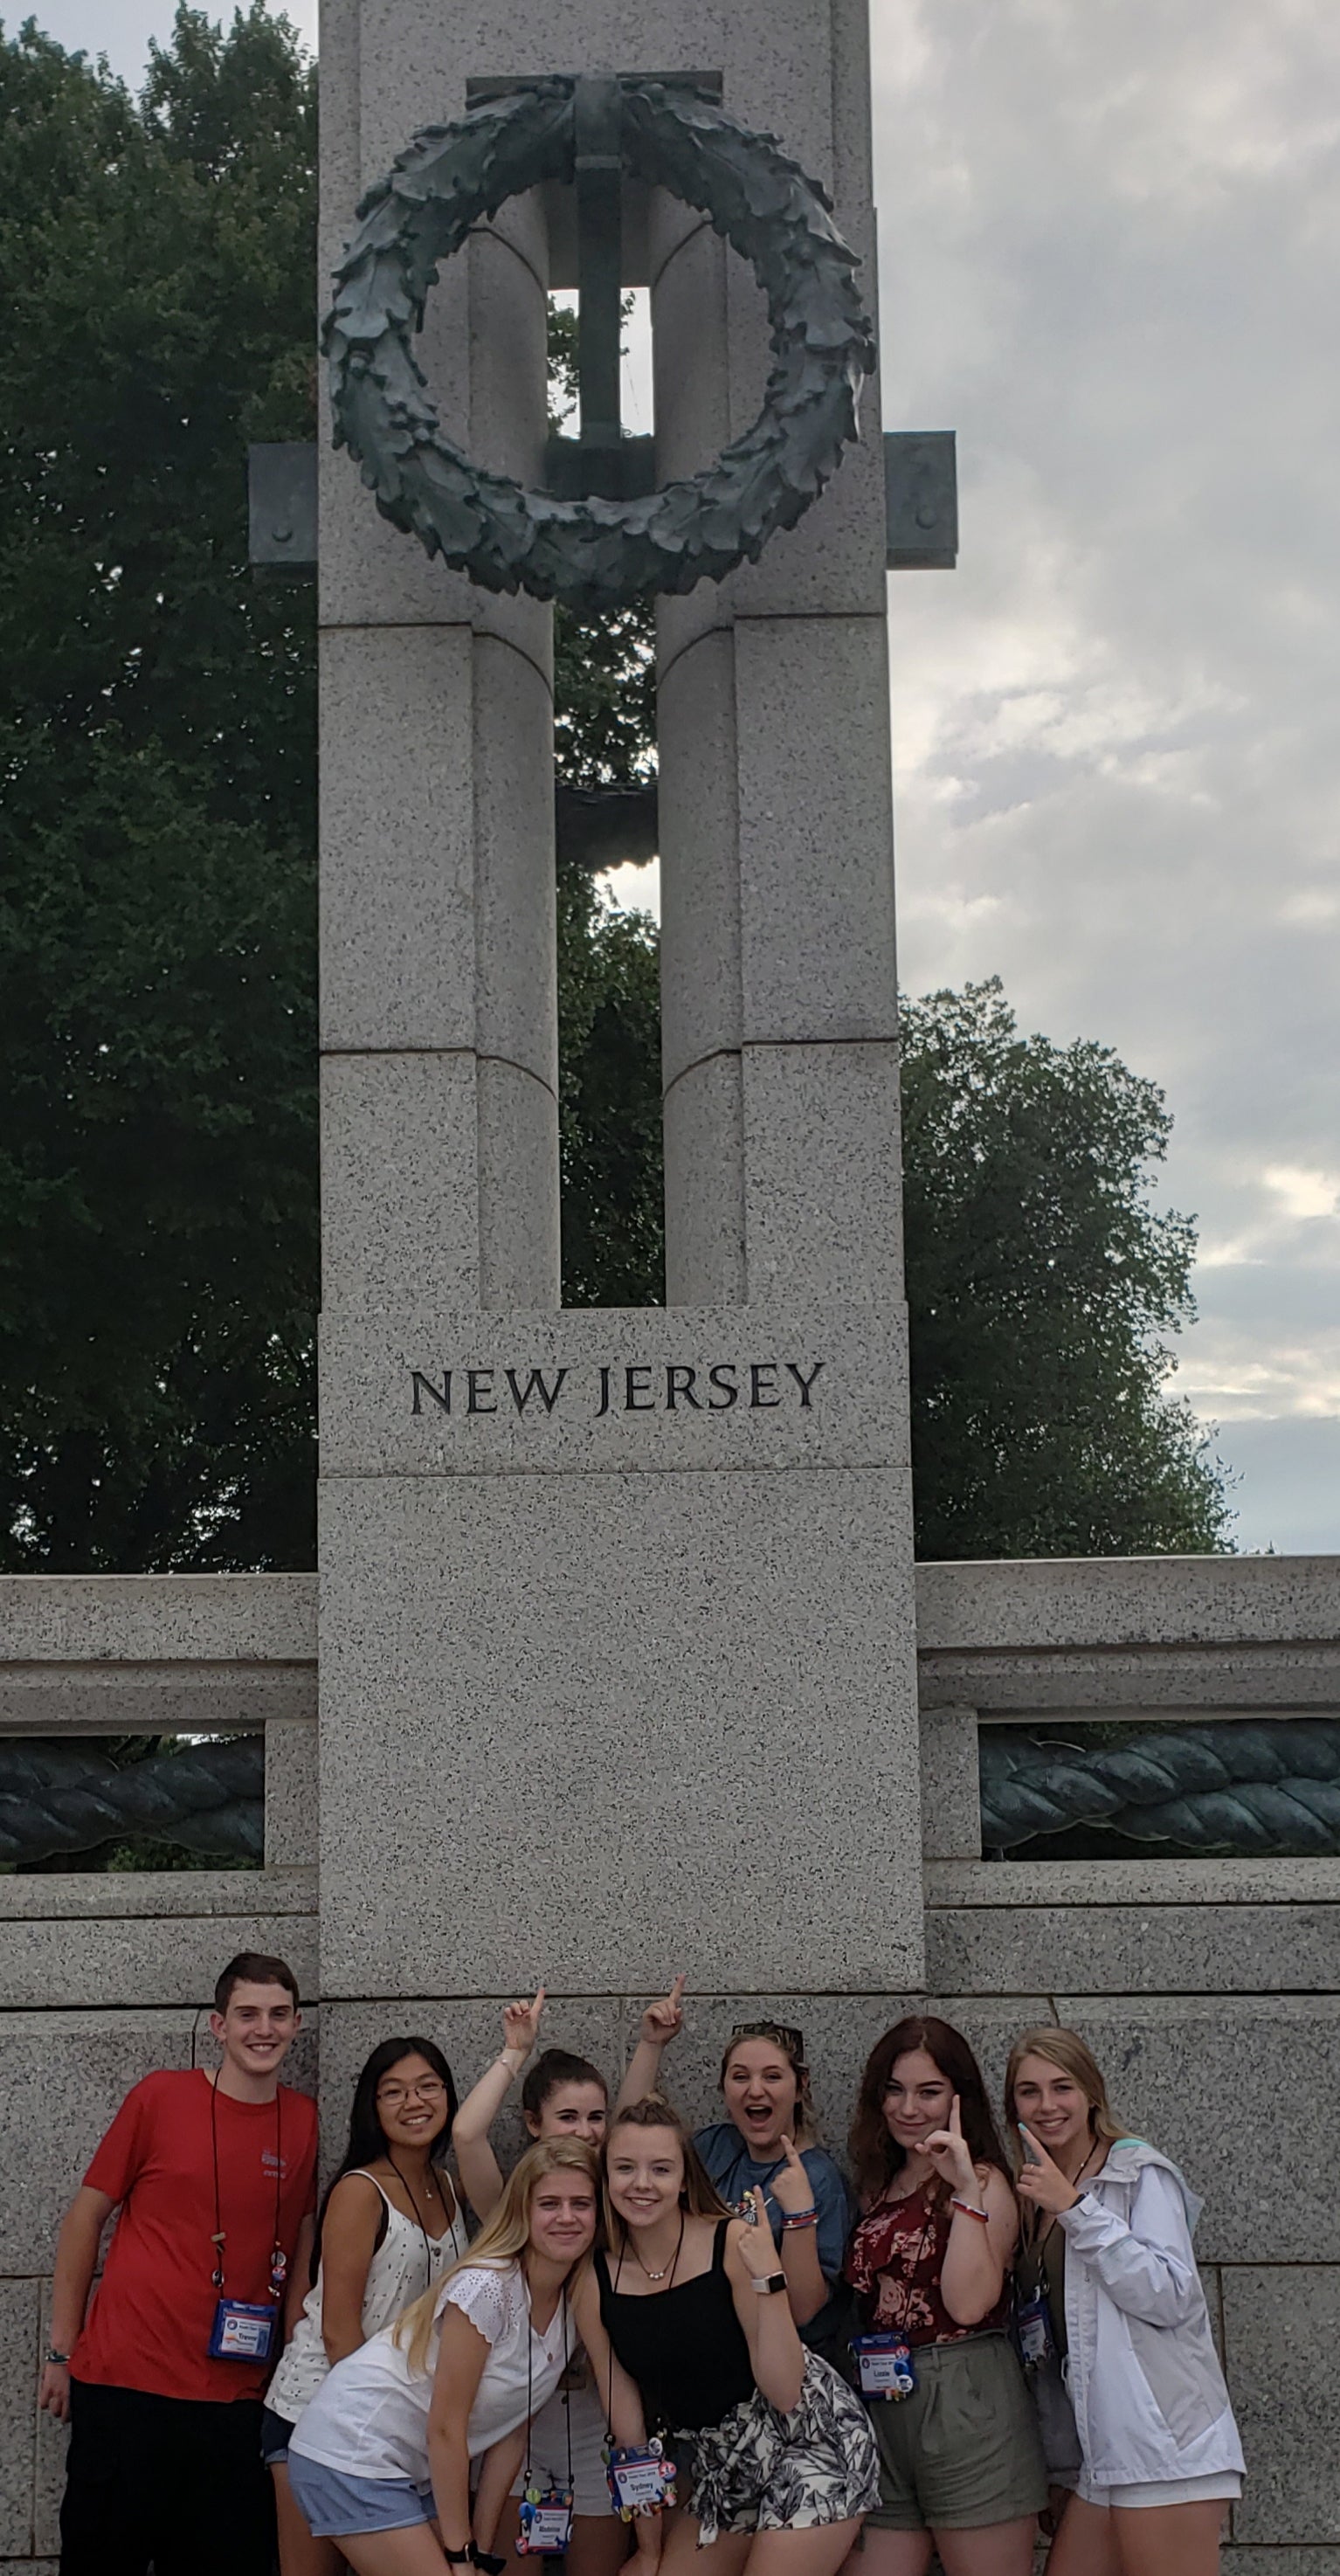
{"type": "Point", "coordinates": [875, 2156]}
{"type": "Point", "coordinates": [557, 2066]}
{"type": "Point", "coordinates": [700, 2196]}
{"type": "Point", "coordinates": [254, 1968]}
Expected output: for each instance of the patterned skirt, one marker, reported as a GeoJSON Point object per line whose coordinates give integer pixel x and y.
{"type": "Point", "coordinates": [760, 2471]}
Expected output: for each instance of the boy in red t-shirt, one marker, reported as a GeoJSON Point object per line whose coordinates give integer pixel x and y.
{"type": "Point", "coordinates": [162, 2380]}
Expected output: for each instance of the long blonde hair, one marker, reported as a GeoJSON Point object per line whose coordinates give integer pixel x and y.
{"type": "Point", "coordinates": [502, 2239]}
{"type": "Point", "coordinates": [1063, 2048]}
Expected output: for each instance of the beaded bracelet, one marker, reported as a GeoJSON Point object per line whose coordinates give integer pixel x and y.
{"type": "Point", "coordinates": [799, 2218]}
{"type": "Point", "coordinates": [969, 2211]}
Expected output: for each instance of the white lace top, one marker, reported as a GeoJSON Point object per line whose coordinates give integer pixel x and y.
{"type": "Point", "coordinates": [400, 2270]}
{"type": "Point", "coordinates": [369, 2417]}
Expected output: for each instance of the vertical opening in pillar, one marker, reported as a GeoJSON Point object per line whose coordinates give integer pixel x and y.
{"type": "Point", "coordinates": [610, 1149]}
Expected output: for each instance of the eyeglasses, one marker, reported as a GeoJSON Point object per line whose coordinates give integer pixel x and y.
{"type": "Point", "coordinates": [430, 2088]}
{"type": "Point", "coordinates": [787, 2038]}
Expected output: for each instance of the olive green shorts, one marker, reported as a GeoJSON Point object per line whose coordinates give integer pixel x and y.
{"type": "Point", "coordinates": [963, 2451]}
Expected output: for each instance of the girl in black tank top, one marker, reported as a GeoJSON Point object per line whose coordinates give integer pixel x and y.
{"type": "Point", "coordinates": [689, 2339]}
{"type": "Point", "coordinates": [686, 2349]}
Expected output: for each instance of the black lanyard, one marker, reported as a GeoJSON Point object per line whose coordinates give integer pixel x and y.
{"type": "Point", "coordinates": [661, 2411]}
{"type": "Point", "coordinates": [530, 2380]}
{"type": "Point", "coordinates": [278, 2258]}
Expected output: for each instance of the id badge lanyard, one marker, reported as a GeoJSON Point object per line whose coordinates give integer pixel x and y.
{"type": "Point", "coordinates": [545, 2514]}
{"type": "Point", "coordinates": [640, 2482]}
{"type": "Point", "coordinates": [884, 2362]}
{"type": "Point", "coordinates": [244, 2330]}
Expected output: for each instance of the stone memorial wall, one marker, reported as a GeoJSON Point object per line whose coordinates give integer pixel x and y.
{"type": "Point", "coordinates": [617, 1662]}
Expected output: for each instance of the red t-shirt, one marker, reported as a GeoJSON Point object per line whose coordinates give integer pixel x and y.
{"type": "Point", "coordinates": [153, 2311]}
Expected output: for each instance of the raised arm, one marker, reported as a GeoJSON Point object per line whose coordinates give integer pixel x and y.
{"type": "Point", "coordinates": [794, 2192]}
{"type": "Point", "coordinates": [476, 2163]}
{"type": "Point", "coordinates": [776, 2353]}
{"type": "Point", "coordinates": [661, 2022]}
{"type": "Point", "coordinates": [76, 2262]}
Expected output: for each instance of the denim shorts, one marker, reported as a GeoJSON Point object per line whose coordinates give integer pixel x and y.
{"type": "Point", "coordinates": [333, 2504]}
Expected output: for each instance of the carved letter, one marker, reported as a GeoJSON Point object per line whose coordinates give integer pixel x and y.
{"type": "Point", "coordinates": [604, 1404]}
{"type": "Point", "coordinates": [758, 1370]}
{"type": "Point", "coordinates": [723, 1378]}
{"type": "Point", "coordinates": [521, 1395]}
{"type": "Point", "coordinates": [804, 1383]}
{"type": "Point", "coordinates": [630, 1393]}
{"type": "Point", "coordinates": [479, 1381]}
{"type": "Point", "coordinates": [680, 1381]}
{"type": "Point", "coordinates": [424, 1386]}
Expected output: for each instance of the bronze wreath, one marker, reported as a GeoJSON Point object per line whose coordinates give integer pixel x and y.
{"type": "Point", "coordinates": [596, 553]}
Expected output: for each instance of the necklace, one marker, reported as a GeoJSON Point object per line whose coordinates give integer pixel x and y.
{"type": "Point", "coordinates": [666, 2268]}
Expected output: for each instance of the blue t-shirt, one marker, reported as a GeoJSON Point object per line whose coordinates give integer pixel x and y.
{"type": "Point", "coordinates": [735, 2171]}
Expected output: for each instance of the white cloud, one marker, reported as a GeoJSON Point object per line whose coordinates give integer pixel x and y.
{"type": "Point", "coordinates": [1107, 238]}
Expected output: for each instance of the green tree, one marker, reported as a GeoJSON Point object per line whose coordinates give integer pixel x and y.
{"type": "Point", "coordinates": [1042, 1286]}
{"type": "Point", "coordinates": [157, 748]}
{"type": "Point", "coordinates": [158, 1176]}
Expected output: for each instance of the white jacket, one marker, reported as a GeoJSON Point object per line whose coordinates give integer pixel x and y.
{"type": "Point", "coordinates": [1144, 2378]}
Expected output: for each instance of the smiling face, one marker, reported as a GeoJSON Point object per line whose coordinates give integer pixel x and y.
{"type": "Point", "coordinates": [1052, 2103]}
{"type": "Point", "coordinates": [258, 2028]}
{"type": "Point", "coordinates": [571, 2111]}
{"type": "Point", "coordinates": [412, 2104]}
{"type": "Point", "coordinates": [645, 2174]}
{"type": "Point", "coordinates": [563, 2217]}
{"type": "Point", "coordinates": [917, 2100]}
{"type": "Point", "coordinates": [760, 2091]}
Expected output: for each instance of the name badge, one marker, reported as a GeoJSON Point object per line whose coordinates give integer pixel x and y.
{"type": "Point", "coordinates": [641, 2481]}
{"type": "Point", "coordinates": [546, 2522]}
{"type": "Point", "coordinates": [242, 2332]}
{"type": "Point", "coordinates": [885, 2365]}
{"type": "Point", "coordinates": [1033, 2326]}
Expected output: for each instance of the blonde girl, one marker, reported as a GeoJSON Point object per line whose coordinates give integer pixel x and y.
{"type": "Point", "coordinates": [381, 2459]}
{"type": "Point", "coordinates": [1115, 2301]}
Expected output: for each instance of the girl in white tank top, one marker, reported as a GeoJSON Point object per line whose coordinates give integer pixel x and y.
{"type": "Point", "coordinates": [389, 2227]}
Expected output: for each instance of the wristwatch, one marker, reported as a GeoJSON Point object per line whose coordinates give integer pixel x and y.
{"type": "Point", "coordinates": [61, 2359]}
{"type": "Point", "coordinates": [459, 2557]}
{"type": "Point", "coordinates": [774, 2281]}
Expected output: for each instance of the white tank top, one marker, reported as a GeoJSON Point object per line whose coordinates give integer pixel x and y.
{"type": "Point", "coordinates": [399, 2271]}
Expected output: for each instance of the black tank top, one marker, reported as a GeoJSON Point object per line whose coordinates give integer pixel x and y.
{"type": "Point", "coordinates": [684, 2347]}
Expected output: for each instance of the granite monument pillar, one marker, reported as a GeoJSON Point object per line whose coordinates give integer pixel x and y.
{"type": "Point", "coordinates": [617, 1632]}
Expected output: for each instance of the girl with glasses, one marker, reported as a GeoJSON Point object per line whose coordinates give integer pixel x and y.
{"type": "Point", "coordinates": [388, 2227]}
{"type": "Point", "coordinates": [767, 2144]}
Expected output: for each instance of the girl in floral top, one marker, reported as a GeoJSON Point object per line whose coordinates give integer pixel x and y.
{"type": "Point", "coordinates": [960, 2459]}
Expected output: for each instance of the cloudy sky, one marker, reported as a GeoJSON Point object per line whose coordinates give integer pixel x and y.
{"type": "Point", "coordinates": [1110, 241]}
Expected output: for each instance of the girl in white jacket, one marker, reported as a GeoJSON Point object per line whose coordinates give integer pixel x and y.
{"type": "Point", "coordinates": [1113, 2318]}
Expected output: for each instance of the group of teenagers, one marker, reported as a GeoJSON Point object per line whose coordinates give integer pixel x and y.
{"type": "Point", "coordinates": [643, 2341]}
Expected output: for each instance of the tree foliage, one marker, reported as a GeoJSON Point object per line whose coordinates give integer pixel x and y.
{"type": "Point", "coordinates": [157, 747]}
{"type": "Point", "coordinates": [158, 1167]}
{"type": "Point", "coordinates": [1042, 1285]}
